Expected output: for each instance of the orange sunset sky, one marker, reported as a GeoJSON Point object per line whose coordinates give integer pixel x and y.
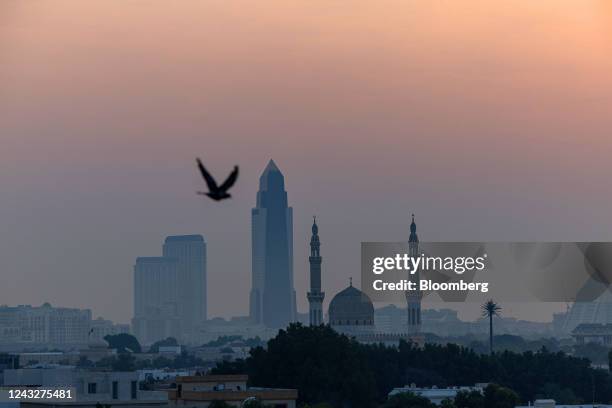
{"type": "Point", "coordinates": [490, 120]}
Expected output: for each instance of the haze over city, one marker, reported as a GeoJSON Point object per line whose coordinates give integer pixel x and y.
{"type": "Point", "coordinates": [372, 111]}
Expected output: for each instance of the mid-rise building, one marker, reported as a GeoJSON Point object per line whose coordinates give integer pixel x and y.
{"type": "Point", "coordinates": [190, 253]}
{"type": "Point", "coordinates": [44, 325]}
{"type": "Point", "coordinates": [156, 299]}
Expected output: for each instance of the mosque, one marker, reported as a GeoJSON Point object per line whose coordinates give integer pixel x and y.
{"type": "Point", "coordinates": [351, 311]}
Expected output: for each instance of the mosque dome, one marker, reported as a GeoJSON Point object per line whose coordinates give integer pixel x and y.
{"type": "Point", "coordinates": [351, 307]}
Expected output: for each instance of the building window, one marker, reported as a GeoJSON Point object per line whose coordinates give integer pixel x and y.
{"type": "Point", "coordinates": [134, 390]}
{"type": "Point", "coordinates": [92, 388]}
{"type": "Point", "coordinates": [115, 390]}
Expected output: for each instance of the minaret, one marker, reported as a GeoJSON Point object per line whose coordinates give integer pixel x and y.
{"type": "Point", "coordinates": [413, 298]}
{"type": "Point", "coordinates": [315, 296]}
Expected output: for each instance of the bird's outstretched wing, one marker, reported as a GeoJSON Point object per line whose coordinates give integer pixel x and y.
{"type": "Point", "coordinates": [212, 184]}
{"type": "Point", "coordinates": [231, 179]}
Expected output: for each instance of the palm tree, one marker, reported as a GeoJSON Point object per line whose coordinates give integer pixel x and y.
{"type": "Point", "coordinates": [490, 309]}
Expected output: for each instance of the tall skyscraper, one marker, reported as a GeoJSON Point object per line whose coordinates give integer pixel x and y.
{"type": "Point", "coordinates": [315, 296]}
{"type": "Point", "coordinates": [413, 298]}
{"type": "Point", "coordinates": [190, 253]}
{"type": "Point", "coordinates": [272, 298]}
{"type": "Point", "coordinates": [156, 299]}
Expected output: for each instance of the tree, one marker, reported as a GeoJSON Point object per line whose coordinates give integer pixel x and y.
{"type": "Point", "coordinates": [469, 399]}
{"type": "Point", "coordinates": [490, 309]}
{"type": "Point", "coordinates": [496, 396]}
{"type": "Point", "coordinates": [123, 343]}
{"type": "Point", "coordinates": [408, 399]}
{"type": "Point", "coordinates": [323, 364]}
{"type": "Point", "coordinates": [219, 404]}
{"type": "Point", "coordinates": [447, 403]}
{"type": "Point", "coordinates": [237, 366]}
{"type": "Point", "coordinates": [328, 367]}
{"type": "Point", "coordinates": [124, 362]}
{"type": "Point", "coordinates": [596, 353]}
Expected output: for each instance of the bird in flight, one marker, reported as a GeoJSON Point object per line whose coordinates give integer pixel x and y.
{"type": "Point", "coordinates": [216, 192]}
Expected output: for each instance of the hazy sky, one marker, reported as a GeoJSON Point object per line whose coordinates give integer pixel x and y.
{"type": "Point", "coordinates": [489, 120]}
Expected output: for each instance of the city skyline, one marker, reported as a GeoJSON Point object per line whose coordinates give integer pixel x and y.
{"type": "Point", "coordinates": [486, 132]}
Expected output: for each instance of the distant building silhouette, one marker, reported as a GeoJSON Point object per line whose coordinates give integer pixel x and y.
{"type": "Point", "coordinates": [190, 252]}
{"type": "Point", "coordinates": [170, 291]}
{"type": "Point", "coordinates": [414, 298]}
{"type": "Point", "coordinates": [43, 326]}
{"type": "Point", "coordinates": [156, 299]}
{"type": "Point", "coordinates": [272, 298]}
{"type": "Point", "coordinates": [598, 311]}
{"type": "Point", "coordinates": [315, 295]}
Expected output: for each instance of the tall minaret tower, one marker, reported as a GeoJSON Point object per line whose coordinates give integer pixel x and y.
{"type": "Point", "coordinates": [413, 298]}
{"type": "Point", "coordinates": [315, 296]}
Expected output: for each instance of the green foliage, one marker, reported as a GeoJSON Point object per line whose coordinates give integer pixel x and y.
{"type": "Point", "coordinates": [124, 362]}
{"type": "Point", "coordinates": [223, 340]}
{"type": "Point", "coordinates": [560, 395]}
{"type": "Point", "coordinates": [496, 396]}
{"type": "Point", "coordinates": [170, 341]}
{"type": "Point", "coordinates": [447, 403]}
{"type": "Point", "coordinates": [490, 309]}
{"type": "Point", "coordinates": [123, 343]}
{"type": "Point", "coordinates": [237, 366]}
{"type": "Point", "coordinates": [322, 364]}
{"type": "Point", "coordinates": [596, 353]}
{"type": "Point", "coordinates": [407, 399]}
{"type": "Point", "coordinates": [328, 367]}
{"type": "Point", "coordinates": [219, 404]}
{"type": "Point", "coordinates": [469, 399]}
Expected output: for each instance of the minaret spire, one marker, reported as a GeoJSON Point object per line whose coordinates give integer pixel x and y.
{"type": "Point", "coordinates": [315, 295]}
{"type": "Point", "coordinates": [413, 298]}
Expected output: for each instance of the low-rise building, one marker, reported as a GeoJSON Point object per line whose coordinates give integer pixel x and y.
{"type": "Point", "coordinates": [200, 391]}
{"type": "Point", "coordinates": [593, 333]}
{"type": "Point", "coordinates": [88, 385]}
{"type": "Point", "coordinates": [45, 326]}
{"type": "Point", "coordinates": [550, 403]}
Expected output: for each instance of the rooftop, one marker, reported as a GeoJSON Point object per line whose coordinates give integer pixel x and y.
{"type": "Point", "coordinates": [185, 238]}
{"type": "Point", "coordinates": [212, 378]}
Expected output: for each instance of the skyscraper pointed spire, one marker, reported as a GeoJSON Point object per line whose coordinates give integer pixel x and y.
{"type": "Point", "coordinates": [272, 299]}
{"type": "Point", "coordinates": [413, 234]}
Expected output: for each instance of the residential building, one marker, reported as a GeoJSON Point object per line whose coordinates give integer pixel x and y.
{"type": "Point", "coordinates": [200, 391]}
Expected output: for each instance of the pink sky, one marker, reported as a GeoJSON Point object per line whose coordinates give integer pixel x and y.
{"type": "Point", "coordinates": [490, 120]}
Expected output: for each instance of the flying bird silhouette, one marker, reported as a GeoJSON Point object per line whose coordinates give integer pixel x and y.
{"type": "Point", "coordinates": [215, 192]}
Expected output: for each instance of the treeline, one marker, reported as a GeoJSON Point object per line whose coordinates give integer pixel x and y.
{"type": "Point", "coordinates": [327, 367]}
